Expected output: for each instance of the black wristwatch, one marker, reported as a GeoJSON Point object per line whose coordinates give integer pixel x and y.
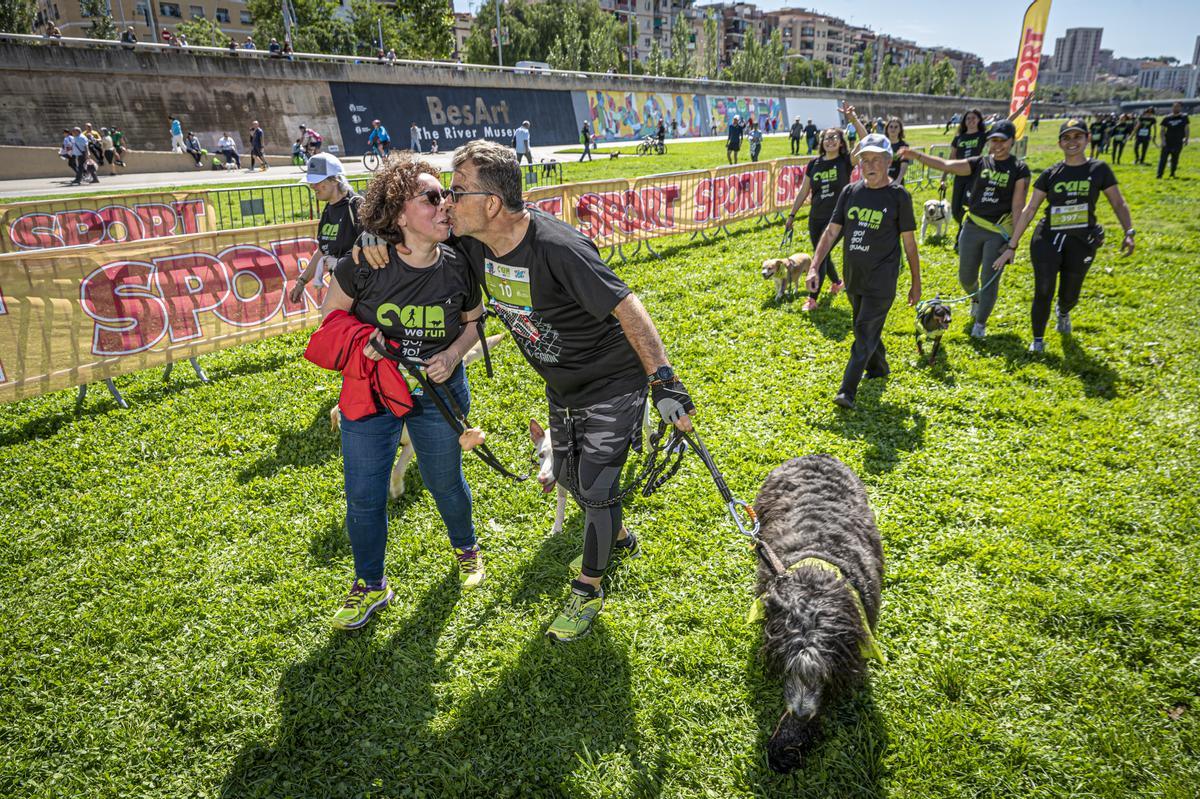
{"type": "Point", "coordinates": [663, 374]}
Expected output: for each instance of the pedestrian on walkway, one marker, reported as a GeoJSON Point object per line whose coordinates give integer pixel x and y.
{"type": "Point", "coordinates": [521, 143]}
{"type": "Point", "coordinates": [414, 138]}
{"type": "Point", "coordinates": [79, 150]}
{"type": "Point", "coordinates": [109, 149]}
{"type": "Point", "coordinates": [176, 135]}
{"type": "Point", "coordinates": [256, 147]}
{"type": "Point", "coordinates": [733, 139]}
{"type": "Point", "coordinates": [794, 134]}
{"type": "Point", "coordinates": [810, 136]}
{"type": "Point", "coordinates": [585, 138]}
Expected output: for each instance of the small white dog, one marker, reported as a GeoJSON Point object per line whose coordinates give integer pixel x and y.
{"type": "Point", "coordinates": [405, 455]}
{"type": "Point", "coordinates": [788, 273]}
{"type": "Point", "coordinates": [937, 214]}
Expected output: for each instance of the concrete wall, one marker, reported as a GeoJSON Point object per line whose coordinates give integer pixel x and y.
{"type": "Point", "coordinates": [212, 94]}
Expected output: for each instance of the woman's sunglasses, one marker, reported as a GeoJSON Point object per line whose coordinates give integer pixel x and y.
{"type": "Point", "coordinates": [435, 196]}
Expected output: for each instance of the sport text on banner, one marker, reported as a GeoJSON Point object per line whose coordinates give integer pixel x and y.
{"type": "Point", "coordinates": [1029, 57]}
{"type": "Point", "coordinates": [77, 316]}
{"type": "Point", "coordinates": [79, 221]}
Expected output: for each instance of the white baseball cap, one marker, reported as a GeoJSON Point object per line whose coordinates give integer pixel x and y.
{"type": "Point", "coordinates": [322, 166]}
{"type": "Point", "coordinates": [875, 143]}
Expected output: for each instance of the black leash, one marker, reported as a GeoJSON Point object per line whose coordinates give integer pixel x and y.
{"type": "Point", "coordinates": [654, 474]}
{"type": "Point", "coordinates": [451, 411]}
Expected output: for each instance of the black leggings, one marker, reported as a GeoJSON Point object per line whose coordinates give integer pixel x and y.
{"type": "Point", "coordinates": [1140, 148]}
{"type": "Point", "coordinates": [815, 228]}
{"type": "Point", "coordinates": [958, 198]}
{"type": "Point", "coordinates": [1118, 147]}
{"type": "Point", "coordinates": [1097, 146]}
{"type": "Point", "coordinates": [1171, 154]}
{"type": "Point", "coordinates": [1057, 259]}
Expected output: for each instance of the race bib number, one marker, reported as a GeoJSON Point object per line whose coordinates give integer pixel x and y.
{"type": "Point", "coordinates": [508, 284]}
{"type": "Point", "coordinates": [1067, 217]}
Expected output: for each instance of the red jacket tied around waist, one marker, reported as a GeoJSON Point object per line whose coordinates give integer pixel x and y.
{"type": "Point", "coordinates": [367, 385]}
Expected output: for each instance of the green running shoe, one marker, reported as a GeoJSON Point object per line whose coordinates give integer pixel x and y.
{"type": "Point", "coordinates": [576, 618]}
{"type": "Point", "coordinates": [362, 601]}
{"type": "Point", "coordinates": [625, 549]}
{"type": "Point", "coordinates": [470, 567]}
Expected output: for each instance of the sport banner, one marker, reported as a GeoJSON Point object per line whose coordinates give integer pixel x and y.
{"type": "Point", "coordinates": [78, 221]}
{"type": "Point", "coordinates": [70, 317]}
{"type": "Point", "coordinates": [1029, 58]}
{"type": "Point", "coordinates": [612, 212]}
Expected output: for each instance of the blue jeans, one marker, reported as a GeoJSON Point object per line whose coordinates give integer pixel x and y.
{"type": "Point", "coordinates": [368, 450]}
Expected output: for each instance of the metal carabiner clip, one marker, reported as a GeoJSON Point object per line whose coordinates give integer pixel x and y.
{"type": "Point", "coordinates": [734, 506]}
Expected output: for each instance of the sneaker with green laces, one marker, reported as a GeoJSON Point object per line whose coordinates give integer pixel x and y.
{"type": "Point", "coordinates": [575, 620]}
{"type": "Point", "coordinates": [624, 549]}
{"type": "Point", "coordinates": [470, 566]}
{"type": "Point", "coordinates": [361, 602]}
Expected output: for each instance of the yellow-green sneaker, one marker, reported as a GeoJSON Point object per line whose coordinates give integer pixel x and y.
{"type": "Point", "coordinates": [361, 602]}
{"type": "Point", "coordinates": [575, 620]}
{"type": "Point", "coordinates": [627, 548]}
{"type": "Point", "coordinates": [470, 566]}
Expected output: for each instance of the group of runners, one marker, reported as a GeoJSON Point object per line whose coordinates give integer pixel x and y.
{"type": "Point", "coordinates": [449, 253]}
{"type": "Point", "coordinates": [1110, 133]}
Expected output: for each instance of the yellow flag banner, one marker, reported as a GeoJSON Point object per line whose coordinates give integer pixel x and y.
{"type": "Point", "coordinates": [1029, 59]}
{"type": "Point", "coordinates": [70, 317]}
{"type": "Point", "coordinates": [76, 221]}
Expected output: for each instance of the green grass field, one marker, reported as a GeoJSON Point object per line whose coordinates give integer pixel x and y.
{"type": "Point", "coordinates": [168, 572]}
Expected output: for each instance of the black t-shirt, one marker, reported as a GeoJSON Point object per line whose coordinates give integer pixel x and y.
{"type": "Point", "coordinates": [1120, 131]}
{"type": "Point", "coordinates": [1096, 130]}
{"type": "Point", "coordinates": [1071, 194]}
{"type": "Point", "coordinates": [338, 228]}
{"type": "Point", "coordinates": [810, 130]}
{"type": "Point", "coordinates": [872, 221]}
{"type": "Point", "coordinates": [734, 136]}
{"type": "Point", "coordinates": [556, 296]}
{"type": "Point", "coordinates": [1145, 127]}
{"type": "Point", "coordinates": [1173, 127]}
{"type": "Point", "coordinates": [827, 176]}
{"type": "Point", "coordinates": [968, 145]}
{"type": "Point", "coordinates": [992, 185]}
{"type": "Point", "coordinates": [797, 130]}
{"type": "Point", "coordinates": [419, 309]}
{"type": "Point", "coordinates": [894, 169]}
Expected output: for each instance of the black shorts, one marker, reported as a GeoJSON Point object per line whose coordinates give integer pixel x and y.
{"type": "Point", "coordinates": [733, 148]}
{"type": "Point", "coordinates": [109, 155]}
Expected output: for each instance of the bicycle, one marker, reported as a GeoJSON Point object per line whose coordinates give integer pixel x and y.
{"type": "Point", "coordinates": [373, 158]}
{"type": "Point", "coordinates": [651, 144]}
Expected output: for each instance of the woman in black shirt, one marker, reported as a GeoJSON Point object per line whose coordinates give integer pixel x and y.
{"type": "Point", "coordinates": [425, 305]}
{"type": "Point", "coordinates": [1065, 241]}
{"type": "Point", "coordinates": [968, 143]}
{"type": "Point", "coordinates": [824, 179]}
{"type": "Point", "coordinates": [895, 133]}
{"type": "Point", "coordinates": [338, 227]}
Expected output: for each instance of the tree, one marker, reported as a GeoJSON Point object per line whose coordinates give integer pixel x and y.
{"type": "Point", "coordinates": [315, 29]}
{"type": "Point", "coordinates": [102, 26]}
{"type": "Point", "coordinates": [655, 63]}
{"type": "Point", "coordinates": [711, 60]}
{"type": "Point", "coordinates": [680, 65]}
{"type": "Point", "coordinates": [368, 19]}
{"type": "Point", "coordinates": [945, 78]}
{"type": "Point", "coordinates": [17, 16]}
{"type": "Point", "coordinates": [567, 51]}
{"type": "Point", "coordinates": [203, 32]}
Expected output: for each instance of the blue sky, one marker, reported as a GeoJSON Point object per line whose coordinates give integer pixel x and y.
{"type": "Point", "coordinates": [1131, 27]}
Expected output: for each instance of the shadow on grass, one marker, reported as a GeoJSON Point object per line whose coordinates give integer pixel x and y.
{"type": "Point", "coordinates": [361, 718]}
{"type": "Point", "coordinates": [834, 322]}
{"type": "Point", "coordinates": [887, 428]}
{"type": "Point", "coordinates": [848, 761]}
{"type": "Point", "coordinates": [1099, 380]}
{"type": "Point", "coordinates": [310, 446]}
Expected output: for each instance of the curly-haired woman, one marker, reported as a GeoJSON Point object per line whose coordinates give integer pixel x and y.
{"type": "Point", "coordinates": [424, 304]}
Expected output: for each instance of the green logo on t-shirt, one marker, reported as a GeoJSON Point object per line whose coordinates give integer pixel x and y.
{"type": "Point", "coordinates": [995, 177]}
{"type": "Point", "coordinates": [826, 176]}
{"type": "Point", "coordinates": [329, 230]}
{"type": "Point", "coordinates": [425, 320]}
{"type": "Point", "coordinates": [1073, 186]}
{"type": "Point", "coordinates": [867, 216]}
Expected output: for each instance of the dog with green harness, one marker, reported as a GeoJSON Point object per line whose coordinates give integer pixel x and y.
{"type": "Point", "coordinates": [819, 582]}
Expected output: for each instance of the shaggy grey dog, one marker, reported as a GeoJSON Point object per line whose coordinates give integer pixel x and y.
{"type": "Point", "coordinates": [815, 507]}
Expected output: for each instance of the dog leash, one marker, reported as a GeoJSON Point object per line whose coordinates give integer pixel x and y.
{"type": "Point", "coordinates": [451, 411]}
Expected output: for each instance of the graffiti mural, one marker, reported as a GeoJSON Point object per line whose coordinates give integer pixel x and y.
{"type": "Point", "coordinates": [722, 110]}
{"type": "Point", "coordinates": [623, 116]}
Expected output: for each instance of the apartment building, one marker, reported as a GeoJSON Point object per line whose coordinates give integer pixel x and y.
{"type": "Point", "coordinates": [815, 37]}
{"type": "Point", "coordinates": [149, 17]}
{"type": "Point", "coordinates": [649, 21]}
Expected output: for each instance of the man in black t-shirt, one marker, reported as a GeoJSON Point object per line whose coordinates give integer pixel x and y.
{"type": "Point", "coordinates": [1175, 129]}
{"type": "Point", "coordinates": [876, 218]}
{"type": "Point", "coordinates": [794, 134]}
{"type": "Point", "coordinates": [810, 136]}
{"type": "Point", "coordinates": [588, 336]}
{"type": "Point", "coordinates": [733, 139]}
